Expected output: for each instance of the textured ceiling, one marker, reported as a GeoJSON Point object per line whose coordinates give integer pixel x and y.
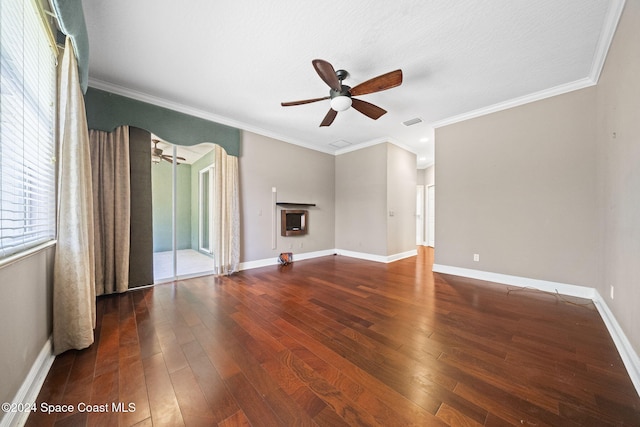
{"type": "Point", "coordinates": [235, 61]}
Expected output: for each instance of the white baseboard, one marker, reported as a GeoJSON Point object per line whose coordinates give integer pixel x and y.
{"type": "Point", "coordinates": [361, 255]}
{"type": "Point", "coordinates": [628, 355]}
{"type": "Point", "coordinates": [523, 282]}
{"type": "Point", "coordinates": [402, 255]}
{"type": "Point", "coordinates": [377, 258]}
{"type": "Point", "coordinates": [248, 265]}
{"type": "Point", "coordinates": [309, 255]}
{"type": "Point", "coordinates": [30, 388]}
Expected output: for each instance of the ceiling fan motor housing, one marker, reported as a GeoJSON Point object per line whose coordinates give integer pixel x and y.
{"type": "Point", "coordinates": [344, 91]}
{"type": "Point", "coordinates": [342, 75]}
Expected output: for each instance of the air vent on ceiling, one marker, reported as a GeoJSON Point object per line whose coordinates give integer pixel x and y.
{"type": "Point", "coordinates": [412, 121]}
{"type": "Point", "coordinates": [340, 144]}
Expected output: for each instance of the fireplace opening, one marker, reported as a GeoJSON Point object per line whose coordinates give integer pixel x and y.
{"type": "Point", "coordinates": [293, 222]}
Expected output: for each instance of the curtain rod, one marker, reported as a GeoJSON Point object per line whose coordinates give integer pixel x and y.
{"type": "Point", "coordinates": [59, 43]}
{"type": "Point", "coordinates": [51, 14]}
{"type": "Point", "coordinates": [43, 17]}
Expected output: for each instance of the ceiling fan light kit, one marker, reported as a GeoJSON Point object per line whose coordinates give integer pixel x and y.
{"type": "Point", "coordinates": [342, 95]}
{"type": "Point", "coordinates": [341, 103]}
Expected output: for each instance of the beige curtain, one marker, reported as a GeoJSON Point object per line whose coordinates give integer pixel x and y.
{"type": "Point", "coordinates": [73, 279]}
{"type": "Point", "coordinates": [111, 208]}
{"type": "Point", "coordinates": [226, 213]}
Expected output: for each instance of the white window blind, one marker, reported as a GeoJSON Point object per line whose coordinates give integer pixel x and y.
{"type": "Point", "coordinates": [27, 141]}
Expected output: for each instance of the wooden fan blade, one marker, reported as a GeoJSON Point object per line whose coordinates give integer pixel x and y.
{"type": "Point", "coordinates": [327, 73]}
{"type": "Point", "coordinates": [169, 158]}
{"type": "Point", "coordinates": [377, 84]}
{"type": "Point", "coordinates": [328, 119]}
{"type": "Point", "coordinates": [305, 101]}
{"type": "Point", "coordinates": [368, 109]}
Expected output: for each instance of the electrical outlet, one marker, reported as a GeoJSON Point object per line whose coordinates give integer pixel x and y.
{"type": "Point", "coordinates": [611, 291]}
{"type": "Point", "coordinates": [476, 257]}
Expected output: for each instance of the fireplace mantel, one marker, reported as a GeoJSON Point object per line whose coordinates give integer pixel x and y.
{"type": "Point", "coordinates": [294, 204]}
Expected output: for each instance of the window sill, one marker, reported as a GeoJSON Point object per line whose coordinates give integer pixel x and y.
{"type": "Point", "coordinates": [25, 254]}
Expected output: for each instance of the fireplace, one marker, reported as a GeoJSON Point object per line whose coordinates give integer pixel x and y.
{"type": "Point", "coordinates": [293, 222]}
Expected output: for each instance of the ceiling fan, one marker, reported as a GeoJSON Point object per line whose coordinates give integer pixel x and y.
{"type": "Point", "coordinates": [342, 95]}
{"type": "Point", "coordinates": [156, 154]}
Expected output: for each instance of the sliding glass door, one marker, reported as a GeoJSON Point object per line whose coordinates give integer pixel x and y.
{"type": "Point", "coordinates": [181, 187]}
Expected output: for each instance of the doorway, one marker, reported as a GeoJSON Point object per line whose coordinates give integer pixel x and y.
{"type": "Point", "coordinates": [431, 216]}
{"type": "Point", "coordinates": [420, 215]}
{"type": "Point", "coordinates": [178, 195]}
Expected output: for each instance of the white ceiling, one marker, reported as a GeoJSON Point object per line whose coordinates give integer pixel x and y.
{"type": "Point", "coordinates": [235, 61]}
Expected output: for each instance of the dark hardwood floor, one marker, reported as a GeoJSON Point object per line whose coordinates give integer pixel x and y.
{"type": "Point", "coordinates": [339, 341]}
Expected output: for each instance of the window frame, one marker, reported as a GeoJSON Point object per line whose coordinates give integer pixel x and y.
{"type": "Point", "coordinates": [30, 89]}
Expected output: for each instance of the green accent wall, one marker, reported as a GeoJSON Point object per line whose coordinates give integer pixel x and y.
{"type": "Point", "coordinates": [106, 111]}
{"type": "Point", "coordinates": [161, 178]}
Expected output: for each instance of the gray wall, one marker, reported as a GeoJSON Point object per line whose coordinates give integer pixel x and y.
{"type": "Point", "coordinates": [361, 200]}
{"type": "Point", "coordinates": [401, 200]}
{"type": "Point", "coordinates": [25, 318]}
{"type": "Point", "coordinates": [299, 175]}
{"type": "Point", "coordinates": [618, 111]}
{"type": "Point", "coordinates": [518, 188]}
{"type": "Point", "coordinates": [376, 200]}
{"type": "Point", "coordinates": [426, 176]}
{"type": "Point", "coordinates": [550, 190]}
{"type": "Point", "coordinates": [430, 175]}
{"type": "Point", "coordinates": [421, 176]}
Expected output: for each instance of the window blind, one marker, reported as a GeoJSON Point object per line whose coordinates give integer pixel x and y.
{"type": "Point", "coordinates": [27, 140]}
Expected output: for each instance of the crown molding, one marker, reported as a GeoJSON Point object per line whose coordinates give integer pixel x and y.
{"type": "Point", "coordinates": [161, 102]}
{"type": "Point", "coordinates": [516, 102]}
{"type": "Point", "coordinates": [373, 142]}
{"type": "Point", "coordinates": [427, 166]}
{"type": "Point", "coordinates": [606, 38]}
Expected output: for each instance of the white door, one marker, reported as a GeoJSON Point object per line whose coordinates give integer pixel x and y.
{"type": "Point", "coordinates": [205, 216]}
{"type": "Point", "coordinates": [420, 215]}
{"type": "Point", "coordinates": [431, 215]}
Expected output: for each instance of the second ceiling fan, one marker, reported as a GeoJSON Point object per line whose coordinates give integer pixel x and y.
{"type": "Point", "coordinates": [157, 156]}
{"type": "Point", "coordinates": [342, 95]}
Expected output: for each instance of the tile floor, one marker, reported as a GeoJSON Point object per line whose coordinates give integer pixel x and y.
{"type": "Point", "coordinates": [190, 263]}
